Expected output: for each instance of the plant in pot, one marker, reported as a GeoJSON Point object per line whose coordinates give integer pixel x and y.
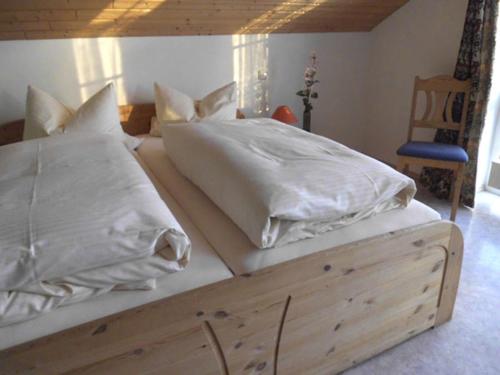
{"type": "Point", "coordinates": [308, 92]}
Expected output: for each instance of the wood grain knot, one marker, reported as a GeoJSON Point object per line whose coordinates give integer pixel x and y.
{"type": "Point", "coordinates": [337, 326]}
{"type": "Point", "coordinates": [332, 350]}
{"type": "Point", "coordinates": [437, 266]}
{"type": "Point", "coordinates": [417, 310]}
{"type": "Point", "coordinates": [246, 275]}
{"type": "Point", "coordinates": [238, 345]}
{"type": "Point", "coordinates": [249, 366]}
{"type": "Point", "coordinates": [101, 329]}
{"type": "Point", "coordinates": [348, 271]}
{"type": "Point", "coordinates": [200, 313]}
{"type": "Point", "coordinates": [138, 351]}
{"type": "Point", "coordinates": [426, 288]}
{"type": "Point", "coordinates": [221, 314]}
{"type": "Point", "coordinates": [419, 243]}
{"type": "Point", "coordinates": [327, 267]}
{"type": "Point", "coordinates": [261, 366]}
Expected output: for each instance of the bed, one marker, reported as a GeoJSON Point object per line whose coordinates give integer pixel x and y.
{"type": "Point", "coordinates": [320, 306]}
{"type": "Point", "coordinates": [235, 248]}
{"type": "Point", "coordinates": [204, 268]}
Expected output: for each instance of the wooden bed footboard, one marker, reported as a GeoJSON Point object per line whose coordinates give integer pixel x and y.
{"type": "Point", "coordinates": [318, 314]}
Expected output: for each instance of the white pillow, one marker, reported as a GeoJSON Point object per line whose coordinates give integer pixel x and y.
{"type": "Point", "coordinates": [174, 106]}
{"type": "Point", "coordinates": [219, 104]}
{"type": "Point", "coordinates": [46, 116]}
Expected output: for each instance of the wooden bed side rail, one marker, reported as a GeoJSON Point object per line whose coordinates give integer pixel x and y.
{"type": "Point", "coordinates": [318, 314]}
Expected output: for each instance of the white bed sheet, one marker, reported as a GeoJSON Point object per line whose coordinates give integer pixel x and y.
{"type": "Point", "coordinates": [205, 267]}
{"type": "Point", "coordinates": [232, 244]}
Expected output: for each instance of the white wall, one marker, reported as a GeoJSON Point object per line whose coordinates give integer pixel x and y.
{"type": "Point", "coordinates": [366, 78]}
{"type": "Point", "coordinates": [422, 38]}
{"type": "Point", "coordinates": [342, 66]}
{"type": "Point", "coordinates": [74, 69]}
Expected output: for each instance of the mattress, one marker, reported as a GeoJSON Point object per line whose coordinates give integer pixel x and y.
{"type": "Point", "coordinates": [235, 248]}
{"type": "Point", "coordinates": [204, 268]}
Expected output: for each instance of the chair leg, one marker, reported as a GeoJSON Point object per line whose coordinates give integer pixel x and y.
{"type": "Point", "coordinates": [453, 183]}
{"type": "Point", "coordinates": [456, 192]}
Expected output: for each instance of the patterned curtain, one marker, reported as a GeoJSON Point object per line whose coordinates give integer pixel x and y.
{"type": "Point", "coordinates": [475, 61]}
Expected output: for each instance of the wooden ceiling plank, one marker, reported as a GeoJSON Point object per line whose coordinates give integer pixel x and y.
{"type": "Point", "coordinates": [190, 4]}
{"type": "Point", "coordinates": [38, 15]}
{"type": "Point", "coordinates": [168, 14]}
{"type": "Point", "coordinates": [32, 19]}
{"type": "Point", "coordinates": [12, 35]}
{"type": "Point", "coordinates": [24, 26]}
{"type": "Point", "coordinates": [54, 4]}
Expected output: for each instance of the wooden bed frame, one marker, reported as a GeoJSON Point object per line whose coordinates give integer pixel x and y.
{"type": "Point", "coordinates": [321, 313]}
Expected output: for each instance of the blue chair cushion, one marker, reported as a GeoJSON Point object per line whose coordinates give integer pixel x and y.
{"type": "Point", "coordinates": [434, 151]}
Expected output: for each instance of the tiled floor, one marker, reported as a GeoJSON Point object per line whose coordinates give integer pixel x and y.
{"type": "Point", "coordinates": [470, 343]}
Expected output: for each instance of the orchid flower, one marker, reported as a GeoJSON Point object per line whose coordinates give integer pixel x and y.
{"type": "Point", "coordinates": [310, 80]}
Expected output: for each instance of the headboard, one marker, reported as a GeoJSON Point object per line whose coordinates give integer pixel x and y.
{"type": "Point", "coordinates": [135, 119]}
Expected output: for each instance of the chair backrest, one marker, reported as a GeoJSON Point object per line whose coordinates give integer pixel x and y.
{"type": "Point", "coordinates": [440, 94]}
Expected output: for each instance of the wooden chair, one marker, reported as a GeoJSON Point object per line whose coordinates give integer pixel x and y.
{"type": "Point", "coordinates": [440, 93]}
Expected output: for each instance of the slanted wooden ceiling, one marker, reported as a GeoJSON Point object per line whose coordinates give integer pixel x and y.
{"type": "Point", "coordinates": [53, 19]}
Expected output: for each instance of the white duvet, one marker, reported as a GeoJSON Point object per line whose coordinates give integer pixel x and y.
{"type": "Point", "coordinates": [78, 218]}
{"type": "Point", "coordinates": [280, 184]}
